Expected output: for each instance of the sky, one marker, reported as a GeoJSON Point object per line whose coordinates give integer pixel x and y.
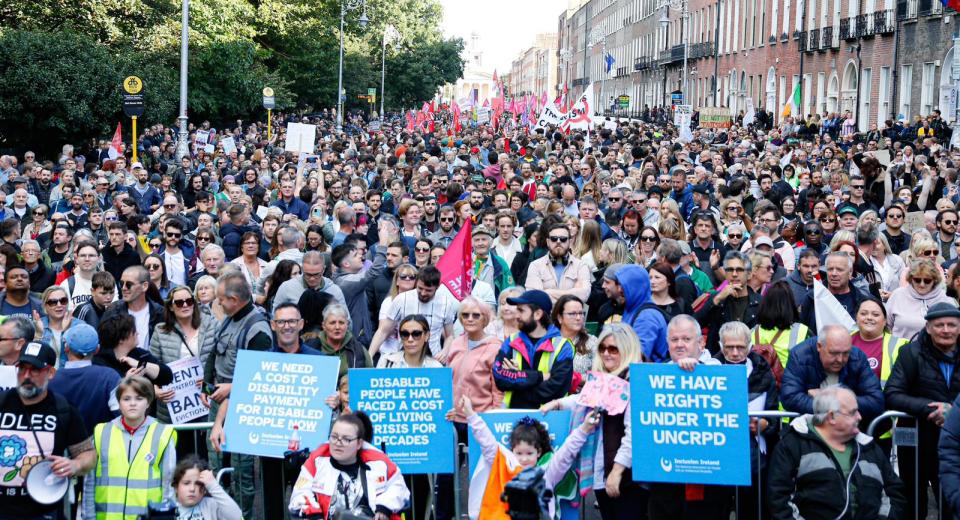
{"type": "Point", "coordinates": [502, 38]}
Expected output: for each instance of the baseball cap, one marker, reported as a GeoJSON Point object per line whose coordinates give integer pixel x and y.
{"type": "Point", "coordinates": [763, 241]}
{"type": "Point", "coordinates": [82, 339]}
{"type": "Point", "coordinates": [533, 297]}
{"type": "Point", "coordinates": [701, 189]}
{"type": "Point", "coordinates": [482, 230]}
{"type": "Point", "coordinates": [20, 179]}
{"type": "Point", "coordinates": [847, 208]}
{"type": "Point", "coordinates": [38, 354]}
{"type": "Point", "coordinates": [136, 165]}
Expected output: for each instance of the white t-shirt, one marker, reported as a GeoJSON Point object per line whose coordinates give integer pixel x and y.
{"type": "Point", "coordinates": [176, 272]}
{"type": "Point", "coordinates": [142, 319]}
{"type": "Point", "coordinates": [439, 312]}
{"type": "Point", "coordinates": [82, 291]}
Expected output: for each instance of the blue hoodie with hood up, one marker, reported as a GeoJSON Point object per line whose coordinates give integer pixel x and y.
{"type": "Point", "coordinates": [649, 324]}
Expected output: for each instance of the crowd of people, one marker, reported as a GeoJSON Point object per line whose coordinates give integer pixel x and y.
{"type": "Point", "coordinates": [591, 251]}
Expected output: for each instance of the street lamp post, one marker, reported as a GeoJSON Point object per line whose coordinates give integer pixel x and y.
{"type": "Point", "coordinates": [682, 6]}
{"type": "Point", "coordinates": [347, 5]}
{"type": "Point", "coordinates": [596, 38]}
{"type": "Point", "coordinates": [390, 35]}
{"type": "Point", "coordinates": [565, 56]}
{"type": "Point", "coordinates": [183, 147]}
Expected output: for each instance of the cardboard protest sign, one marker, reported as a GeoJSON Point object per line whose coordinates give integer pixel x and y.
{"type": "Point", "coordinates": [407, 407]}
{"type": "Point", "coordinates": [272, 393]}
{"type": "Point", "coordinates": [229, 145]}
{"type": "Point", "coordinates": [694, 426]}
{"type": "Point", "coordinates": [186, 405]}
{"type": "Point", "coordinates": [605, 391]}
{"type": "Point", "coordinates": [501, 424]}
{"type": "Point", "coordinates": [913, 221]}
{"type": "Point", "coordinates": [300, 138]}
{"type": "Point", "coordinates": [8, 377]}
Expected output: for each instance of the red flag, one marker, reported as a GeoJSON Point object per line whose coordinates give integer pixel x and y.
{"type": "Point", "coordinates": [426, 107]}
{"type": "Point", "coordinates": [486, 103]}
{"type": "Point", "coordinates": [456, 118]}
{"type": "Point", "coordinates": [116, 146]}
{"type": "Point", "coordinates": [410, 122]}
{"type": "Point", "coordinates": [543, 99]}
{"type": "Point", "coordinates": [495, 80]}
{"type": "Point", "coordinates": [455, 264]}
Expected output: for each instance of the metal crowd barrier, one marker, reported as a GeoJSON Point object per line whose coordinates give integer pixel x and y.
{"type": "Point", "coordinates": [761, 414]}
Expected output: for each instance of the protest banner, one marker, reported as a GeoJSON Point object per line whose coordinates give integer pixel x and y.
{"type": "Point", "coordinates": [913, 221]}
{"type": "Point", "coordinates": [300, 138]}
{"type": "Point", "coordinates": [8, 377]}
{"type": "Point", "coordinates": [682, 115]}
{"type": "Point", "coordinates": [693, 426]}
{"type": "Point", "coordinates": [718, 117]}
{"type": "Point", "coordinates": [273, 392]}
{"type": "Point", "coordinates": [551, 115]}
{"type": "Point", "coordinates": [501, 423]}
{"type": "Point", "coordinates": [229, 145]}
{"type": "Point", "coordinates": [605, 391]}
{"type": "Point", "coordinates": [408, 407]}
{"type": "Point", "coordinates": [483, 115]}
{"type": "Point", "coordinates": [185, 405]}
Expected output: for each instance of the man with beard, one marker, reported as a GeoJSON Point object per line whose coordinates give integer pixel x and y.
{"type": "Point", "coordinates": [16, 298]}
{"type": "Point", "coordinates": [534, 365]}
{"type": "Point", "coordinates": [893, 229]}
{"type": "Point", "coordinates": [59, 247]}
{"type": "Point", "coordinates": [559, 273]}
{"type": "Point", "coordinates": [430, 213]}
{"type": "Point", "coordinates": [33, 412]}
{"type": "Point", "coordinates": [440, 309]}
{"type": "Point", "coordinates": [477, 201]}
{"type": "Point", "coordinates": [447, 227]}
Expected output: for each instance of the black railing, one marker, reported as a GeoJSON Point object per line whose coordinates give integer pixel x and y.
{"type": "Point", "coordinates": [814, 43]}
{"type": "Point", "coordinates": [864, 27]}
{"type": "Point", "coordinates": [883, 22]}
{"type": "Point", "coordinates": [846, 29]}
{"type": "Point", "coordinates": [701, 50]}
{"type": "Point", "coordinates": [642, 63]}
{"type": "Point", "coordinates": [826, 38]}
{"type": "Point", "coordinates": [802, 41]}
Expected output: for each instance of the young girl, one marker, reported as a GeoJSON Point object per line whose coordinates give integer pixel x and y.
{"type": "Point", "coordinates": [529, 446]}
{"type": "Point", "coordinates": [199, 495]}
{"type": "Point", "coordinates": [138, 482]}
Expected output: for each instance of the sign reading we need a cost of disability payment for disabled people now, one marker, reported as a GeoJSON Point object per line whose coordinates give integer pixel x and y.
{"type": "Point", "coordinates": [272, 394]}
{"type": "Point", "coordinates": [693, 427]}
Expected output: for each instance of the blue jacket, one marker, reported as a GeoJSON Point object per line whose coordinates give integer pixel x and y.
{"type": "Point", "coordinates": [295, 206]}
{"type": "Point", "coordinates": [685, 201]}
{"type": "Point", "coordinates": [804, 372]}
{"type": "Point", "coordinates": [231, 235]}
{"type": "Point", "coordinates": [950, 458]}
{"type": "Point", "coordinates": [649, 324]}
{"type": "Point", "coordinates": [533, 390]}
{"type": "Point", "coordinates": [147, 199]}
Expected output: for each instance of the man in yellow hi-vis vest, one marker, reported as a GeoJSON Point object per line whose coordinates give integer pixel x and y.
{"type": "Point", "coordinates": [535, 365]}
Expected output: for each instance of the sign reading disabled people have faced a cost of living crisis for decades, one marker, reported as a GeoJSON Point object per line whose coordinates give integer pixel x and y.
{"type": "Point", "coordinates": [690, 427]}
{"type": "Point", "coordinates": [273, 392]}
{"type": "Point", "coordinates": [408, 408]}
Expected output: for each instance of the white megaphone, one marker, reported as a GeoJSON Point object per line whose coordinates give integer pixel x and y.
{"type": "Point", "coordinates": [45, 486]}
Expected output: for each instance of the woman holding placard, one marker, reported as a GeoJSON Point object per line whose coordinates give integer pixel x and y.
{"type": "Point", "coordinates": [608, 472]}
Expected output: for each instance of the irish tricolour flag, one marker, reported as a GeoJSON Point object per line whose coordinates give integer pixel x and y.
{"type": "Point", "coordinates": [793, 104]}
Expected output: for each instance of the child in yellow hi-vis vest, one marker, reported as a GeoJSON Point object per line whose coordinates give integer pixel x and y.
{"type": "Point", "coordinates": [136, 459]}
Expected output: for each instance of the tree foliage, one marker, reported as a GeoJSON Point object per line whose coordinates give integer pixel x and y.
{"type": "Point", "coordinates": [81, 49]}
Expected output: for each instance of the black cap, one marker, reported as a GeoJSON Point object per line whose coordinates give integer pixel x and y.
{"type": "Point", "coordinates": [701, 189]}
{"type": "Point", "coordinates": [38, 354]}
{"type": "Point", "coordinates": [533, 297]}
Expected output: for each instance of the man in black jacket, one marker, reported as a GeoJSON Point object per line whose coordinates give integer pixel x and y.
{"type": "Point", "coordinates": [824, 468]}
{"type": "Point", "coordinates": [924, 382]}
{"type": "Point", "coordinates": [118, 255]}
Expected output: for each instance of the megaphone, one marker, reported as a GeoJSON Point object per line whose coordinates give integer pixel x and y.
{"type": "Point", "coordinates": [45, 486]}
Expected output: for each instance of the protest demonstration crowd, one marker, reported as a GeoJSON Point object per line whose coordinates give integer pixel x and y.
{"type": "Point", "coordinates": [692, 321]}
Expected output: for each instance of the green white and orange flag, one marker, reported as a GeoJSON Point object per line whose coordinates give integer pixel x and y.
{"type": "Point", "coordinates": [793, 104]}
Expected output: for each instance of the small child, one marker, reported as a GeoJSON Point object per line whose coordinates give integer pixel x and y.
{"type": "Point", "coordinates": [529, 446]}
{"type": "Point", "coordinates": [339, 402]}
{"type": "Point", "coordinates": [199, 495]}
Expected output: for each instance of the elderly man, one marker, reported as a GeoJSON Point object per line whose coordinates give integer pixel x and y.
{"type": "Point", "coordinates": [839, 267]}
{"type": "Point", "coordinates": [488, 266]}
{"type": "Point", "coordinates": [924, 383]}
{"type": "Point", "coordinates": [735, 302]}
{"type": "Point", "coordinates": [824, 468]}
{"type": "Point", "coordinates": [672, 501]}
{"type": "Point", "coordinates": [828, 360]}
{"type": "Point", "coordinates": [311, 278]}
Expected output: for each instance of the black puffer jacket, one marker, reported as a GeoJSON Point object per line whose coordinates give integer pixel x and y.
{"type": "Point", "coordinates": [916, 381]}
{"type": "Point", "coordinates": [806, 480]}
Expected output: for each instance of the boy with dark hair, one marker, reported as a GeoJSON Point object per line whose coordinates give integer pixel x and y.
{"type": "Point", "coordinates": [104, 291]}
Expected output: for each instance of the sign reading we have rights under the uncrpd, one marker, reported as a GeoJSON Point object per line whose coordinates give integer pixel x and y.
{"type": "Point", "coordinates": [408, 407]}
{"type": "Point", "coordinates": [693, 427]}
{"type": "Point", "coordinates": [273, 392]}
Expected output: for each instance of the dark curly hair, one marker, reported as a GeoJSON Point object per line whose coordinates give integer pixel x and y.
{"type": "Point", "coordinates": [532, 432]}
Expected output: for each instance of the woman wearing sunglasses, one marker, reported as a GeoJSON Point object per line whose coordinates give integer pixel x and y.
{"type": "Point", "coordinates": [155, 267]}
{"type": "Point", "coordinates": [908, 305]}
{"type": "Point", "coordinates": [38, 224]}
{"type": "Point", "coordinates": [57, 320]}
{"type": "Point", "coordinates": [404, 279]}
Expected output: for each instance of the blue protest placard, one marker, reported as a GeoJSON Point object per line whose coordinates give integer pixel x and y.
{"type": "Point", "coordinates": [693, 426]}
{"type": "Point", "coordinates": [407, 407]}
{"type": "Point", "coordinates": [273, 392]}
{"type": "Point", "coordinates": [501, 424]}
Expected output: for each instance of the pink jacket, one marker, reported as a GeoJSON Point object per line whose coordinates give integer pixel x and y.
{"type": "Point", "coordinates": [473, 374]}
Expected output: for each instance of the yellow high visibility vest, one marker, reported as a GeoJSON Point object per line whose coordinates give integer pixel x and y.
{"type": "Point", "coordinates": [543, 366]}
{"type": "Point", "coordinates": [891, 350]}
{"type": "Point", "coordinates": [124, 490]}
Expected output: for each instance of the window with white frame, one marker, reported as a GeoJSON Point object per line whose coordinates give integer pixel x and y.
{"type": "Point", "coordinates": [906, 90]}
{"type": "Point", "coordinates": [927, 85]}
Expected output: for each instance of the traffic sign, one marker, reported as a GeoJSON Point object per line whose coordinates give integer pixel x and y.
{"type": "Point", "coordinates": [371, 92]}
{"type": "Point", "coordinates": [269, 102]}
{"type": "Point", "coordinates": [676, 97]}
{"type": "Point", "coordinates": [133, 96]}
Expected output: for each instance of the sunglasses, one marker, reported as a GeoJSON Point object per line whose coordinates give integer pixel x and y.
{"type": "Point", "coordinates": [651, 239]}
{"type": "Point", "coordinates": [811, 231]}
{"type": "Point", "coordinates": [856, 186]}
{"type": "Point", "coordinates": [407, 334]}
{"type": "Point", "coordinates": [173, 235]}
{"type": "Point", "coordinates": [38, 213]}
{"type": "Point", "coordinates": [169, 206]}
{"type": "Point", "coordinates": [127, 284]}
{"type": "Point", "coordinates": [608, 349]}
{"type": "Point", "coordinates": [153, 267]}
{"type": "Point", "coordinates": [828, 220]}
{"type": "Point", "coordinates": [930, 252]}
{"type": "Point", "coordinates": [205, 239]}
{"type": "Point", "coordinates": [470, 316]}
{"type": "Point", "coordinates": [735, 236]}
{"type": "Point", "coordinates": [57, 301]}
{"type": "Point", "coordinates": [407, 277]}
{"type": "Point", "coordinates": [562, 240]}
{"type": "Point", "coordinates": [949, 222]}
{"type": "Point", "coordinates": [922, 281]}
{"type": "Point", "coordinates": [894, 215]}
{"type": "Point", "coordinates": [611, 199]}
{"type": "Point", "coordinates": [186, 302]}
{"type": "Point", "coordinates": [422, 249]}
{"type": "Point", "coordinates": [447, 219]}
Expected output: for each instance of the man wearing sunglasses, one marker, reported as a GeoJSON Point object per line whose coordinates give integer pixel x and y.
{"type": "Point", "coordinates": [558, 272]}
{"type": "Point", "coordinates": [175, 251]}
{"type": "Point", "coordinates": [146, 314]}
{"type": "Point", "coordinates": [446, 232]}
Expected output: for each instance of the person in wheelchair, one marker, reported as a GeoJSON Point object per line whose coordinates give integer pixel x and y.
{"type": "Point", "coordinates": [347, 475]}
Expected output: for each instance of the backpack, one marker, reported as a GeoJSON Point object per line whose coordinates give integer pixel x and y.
{"type": "Point", "coordinates": [769, 353]}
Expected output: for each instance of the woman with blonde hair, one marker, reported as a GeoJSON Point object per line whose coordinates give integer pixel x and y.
{"type": "Point", "coordinates": [921, 247]}
{"type": "Point", "coordinates": [617, 494]}
{"type": "Point", "coordinates": [505, 322]}
{"type": "Point", "coordinates": [908, 305]}
{"type": "Point", "coordinates": [671, 228]}
{"type": "Point", "coordinates": [404, 279]}
{"type": "Point", "coordinates": [888, 265]}
{"type": "Point", "coordinates": [588, 247]}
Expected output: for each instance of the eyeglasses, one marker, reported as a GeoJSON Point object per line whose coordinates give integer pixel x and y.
{"type": "Point", "coordinates": [187, 302]}
{"type": "Point", "coordinates": [128, 284]}
{"type": "Point", "coordinates": [155, 245]}
{"type": "Point", "coordinates": [470, 315]}
{"type": "Point", "coordinates": [922, 281]}
{"type": "Point", "coordinates": [575, 314]}
{"type": "Point", "coordinates": [153, 267]}
{"type": "Point", "coordinates": [407, 277]}
{"type": "Point", "coordinates": [39, 213]}
{"type": "Point", "coordinates": [811, 232]}
{"type": "Point", "coordinates": [169, 206]}
{"type": "Point", "coordinates": [613, 199]}
{"type": "Point", "coordinates": [447, 219]}
{"type": "Point", "coordinates": [342, 441]}
{"type": "Point", "coordinates": [286, 323]}
{"type": "Point", "coordinates": [856, 186]}
{"type": "Point", "coordinates": [57, 301]}
{"type": "Point", "coordinates": [560, 239]}
{"type": "Point", "coordinates": [312, 275]}
{"type": "Point", "coordinates": [894, 215]}
{"type": "Point", "coordinates": [930, 252]}
{"type": "Point", "coordinates": [648, 238]}
{"type": "Point", "coordinates": [828, 220]}
{"type": "Point", "coordinates": [251, 244]}
{"type": "Point", "coordinates": [608, 349]}
{"type": "Point", "coordinates": [407, 334]}
{"type": "Point", "coordinates": [734, 269]}
{"type": "Point", "coordinates": [205, 239]}
{"type": "Point", "coordinates": [733, 208]}
{"type": "Point", "coordinates": [949, 222]}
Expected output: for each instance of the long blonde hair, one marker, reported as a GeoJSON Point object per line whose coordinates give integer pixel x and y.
{"type": "Point", "coordinates": [589, 240]}
{"type": "Point", "coordinates": [627, 342]}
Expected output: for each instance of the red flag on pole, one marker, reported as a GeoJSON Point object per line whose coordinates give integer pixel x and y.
{"type": "Point", "coordinates": [116, 146]}
{"type": "Point", "coordinates": [455, 264]}
{"type": "Point", "coordinates": [410, 121]}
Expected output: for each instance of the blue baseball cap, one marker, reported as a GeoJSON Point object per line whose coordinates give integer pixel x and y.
{"type": "Point", "coordinates": [533, 297]}
{"type": "Point", "coordinates": [82, 339]}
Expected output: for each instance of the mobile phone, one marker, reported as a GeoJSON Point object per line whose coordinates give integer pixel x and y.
{"type": "Point", "coordinates": [209, 389]}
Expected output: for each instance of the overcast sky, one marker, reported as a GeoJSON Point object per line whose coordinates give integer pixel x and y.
{"type": "Point", "coordinates": [505, 27]}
